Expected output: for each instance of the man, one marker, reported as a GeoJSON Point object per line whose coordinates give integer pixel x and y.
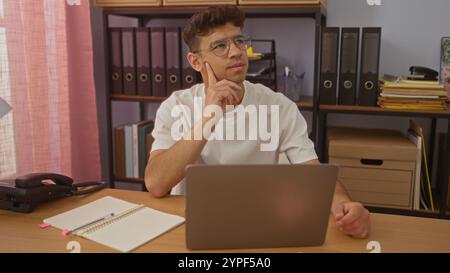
{"type": "Point", "coordinates": [218, 52]}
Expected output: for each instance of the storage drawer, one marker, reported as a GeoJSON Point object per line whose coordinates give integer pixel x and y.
{"type": "Point", "coordinates": [380, 187]}
{"type": "Point", "coordinates": [376, 166]}
{"type": "Point", "coordinates": [197, 2]}
{"type": "Point", "coordinates": [372, 174]}
{"type": "Point", "coordinates": [376, 199]}
{"type": "Point", "coordinates": [386, 164]}
{"type": "Point", "coordinates": [128, 3]}
{"type": "Point", "coordinates": [395, 187]}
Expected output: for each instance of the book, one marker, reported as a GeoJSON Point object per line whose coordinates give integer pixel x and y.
{"type": "Point", "coordinates": [415, 138]}
{"type": "Point", "coordinates": [129, 150]}
{"type": "Point", "coordinates": [401, 106]}
{"type": "Point", "coordinates": [398, 93]}
{"type": "Point", "coordinates": [138, 148]}
{"type": "Point", "coordinates": [119, 152]}
{"type": "Point", "coordinates": [418, 92]}
{"type": "Point", "coordinates": [143, 146]}
{"type": "Point", "coordinates": [407, 84]}
{"type": "Point", "coordinates": [402, 96]}
{"type": "Point", "coordinates": [130, 226]}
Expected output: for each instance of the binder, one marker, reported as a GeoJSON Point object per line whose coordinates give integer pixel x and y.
{"type": "Point", "coordinates": [173, 75]}
{"type": "Point", "coordinates": [129, 156]}
{"type": "Point", "coordinates": [348, 66]}
{"type": "Point", "coordinates": [369, 67]}
{"type": "Point", "coordinates": [139, 148]}
{"type": "Point", "coordinates": [188, 74]}
{"type": "Point", "coordinates": [328, 65]}
{"type": "Point", "coordinates": [115, 35]}
{"type": "Point", "coordinates": [119, 152]}
{"type": "Point", "coordinates": [158, 62]}
{"type": "Point", "coordinates": [129, 64]}
{"type": "Point", "coordinates": [144, 87]}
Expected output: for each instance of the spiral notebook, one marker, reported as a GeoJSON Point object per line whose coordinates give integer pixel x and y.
{"type": "Point", "coordinates": [131, 226]}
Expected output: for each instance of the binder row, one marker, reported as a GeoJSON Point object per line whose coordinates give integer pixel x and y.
{"type": "Point", "coordinates": [149, 61]}
{"type": "Point", "coordinates": [342, 87]}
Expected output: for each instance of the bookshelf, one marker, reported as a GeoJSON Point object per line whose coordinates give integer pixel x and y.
{"type": "Point", "coordinates": [315, 12]}
{"type": "Point", "coordinates": [267, 63]}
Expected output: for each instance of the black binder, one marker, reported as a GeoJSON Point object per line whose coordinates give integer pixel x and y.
{"type": "Point", "coordinates": [348, 66]}
{"type": "Point", "coordinates": [369, 67]}
{"type": "Point", "coordinates": [173, 72]}
{"type": "Point", "coordinates": [188, 74]}
{"type": "Point", "coordinates": [328, 65]}
{"type": "Point", "coordinates": [129, 61]}
{"type": "Point", "coordinates": [115, 39]}
{"type": "Point", "coordinates": [144, 87]}
{"type": "Point", "coordinates": [158, 62]}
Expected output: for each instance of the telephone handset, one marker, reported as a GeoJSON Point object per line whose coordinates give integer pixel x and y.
{"type": "Point", "coordinates": [37, 179]}
{"type": "Point", "coordinates": [25, 192]}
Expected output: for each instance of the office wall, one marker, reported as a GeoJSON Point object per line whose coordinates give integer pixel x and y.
{"type": "Point", "coordinates": [412, 29]}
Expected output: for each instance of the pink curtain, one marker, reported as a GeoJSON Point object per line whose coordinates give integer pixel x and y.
{"type": "Point", "coordinates": [53, 123]}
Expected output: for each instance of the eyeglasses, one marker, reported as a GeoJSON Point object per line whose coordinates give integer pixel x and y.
{"type": "Point", "coordinates": [221, 47]}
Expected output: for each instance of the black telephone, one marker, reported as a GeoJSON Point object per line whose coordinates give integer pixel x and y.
{"type": "Point", "coordinates": [422, 73]}
{"type": "Point", "coordinates": [25, 192]}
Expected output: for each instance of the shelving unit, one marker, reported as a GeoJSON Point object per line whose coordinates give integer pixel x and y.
{"type": "Point", "coordinates": [268, 61]}
{"type": "Point", "coordinates": [441, 191]}
{"type": "Point", "coordinates": [314, 11]}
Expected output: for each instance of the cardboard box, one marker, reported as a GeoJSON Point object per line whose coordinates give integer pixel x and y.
{"type": "Point", "coordinates": [377, 167]}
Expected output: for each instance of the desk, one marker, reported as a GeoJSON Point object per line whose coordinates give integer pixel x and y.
{"type": "Point", "coordinates": [20, 232]}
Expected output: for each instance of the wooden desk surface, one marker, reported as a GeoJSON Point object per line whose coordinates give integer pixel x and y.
{"type": "Point", "coordinates": [20, 232]}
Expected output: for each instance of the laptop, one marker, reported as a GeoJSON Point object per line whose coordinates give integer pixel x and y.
{"type": "Point", "coordinates": [258, 206]}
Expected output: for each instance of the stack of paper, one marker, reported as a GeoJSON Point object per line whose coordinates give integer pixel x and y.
{"type": "Point", "coordinates": [413, 95]}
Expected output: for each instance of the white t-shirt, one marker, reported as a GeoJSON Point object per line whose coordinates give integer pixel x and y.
{"type": "Point", "coordinates": [292, 132]}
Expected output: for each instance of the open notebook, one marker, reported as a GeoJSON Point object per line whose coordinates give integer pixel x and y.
{"type": "Point", "coordinates": [131, 226]}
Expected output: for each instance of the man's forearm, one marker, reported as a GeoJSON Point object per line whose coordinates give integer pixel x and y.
{"type": "Point", "coordinates": [340, 195]}
{"type": "Point", "coordinates": [166, 169]}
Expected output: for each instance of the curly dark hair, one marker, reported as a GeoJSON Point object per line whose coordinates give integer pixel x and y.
{"type": "Point", "coordinates": [203, 22]}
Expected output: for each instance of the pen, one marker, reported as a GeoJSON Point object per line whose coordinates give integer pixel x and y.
{"type": "Point", "coordinates": [66, 232]}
